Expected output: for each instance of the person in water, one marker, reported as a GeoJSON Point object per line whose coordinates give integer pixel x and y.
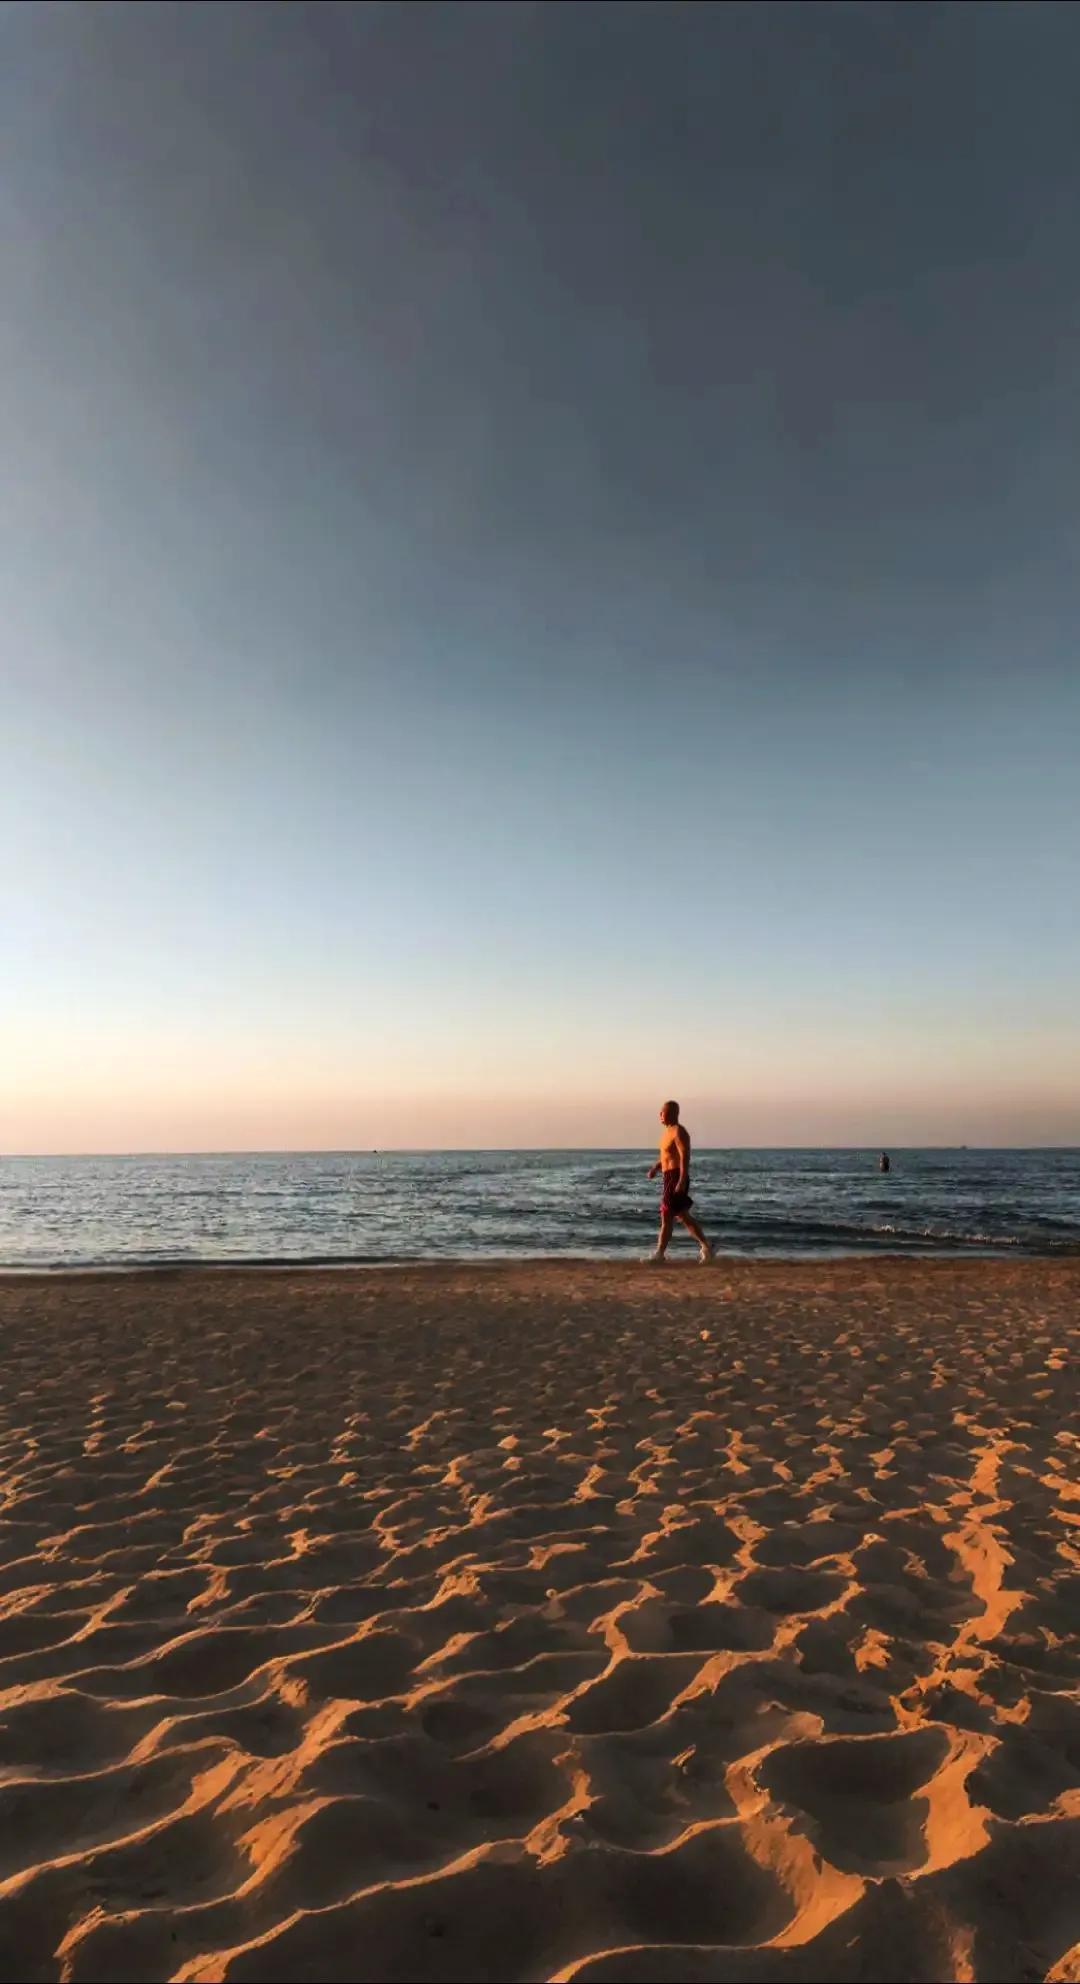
{"type": "Point", "coordinates": [675, 1201]}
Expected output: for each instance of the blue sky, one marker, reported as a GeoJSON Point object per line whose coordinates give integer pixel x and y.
{"type": "Point", "coordinates": [540, 572]}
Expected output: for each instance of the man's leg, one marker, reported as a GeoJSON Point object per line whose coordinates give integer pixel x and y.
{"type": "Point", "coordinates": [666, 1224]}
{"type": "Point", "coordinates": [696, 1233]}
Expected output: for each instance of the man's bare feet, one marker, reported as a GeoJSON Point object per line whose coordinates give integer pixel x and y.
{"type": "Point", "coordinates": [705, 1255]}
{"type": "Point", "coordinates": [654, 1261]}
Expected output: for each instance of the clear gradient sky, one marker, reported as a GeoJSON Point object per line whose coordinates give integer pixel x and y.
{"type": "Point", "coordinates": [540, 571]}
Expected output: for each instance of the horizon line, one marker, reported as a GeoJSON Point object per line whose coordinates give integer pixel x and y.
{"type": "Point", "coordinates": [487, 1150]}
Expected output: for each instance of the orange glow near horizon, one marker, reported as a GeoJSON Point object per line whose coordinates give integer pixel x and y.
{"type": "Point", "coordinates": [54, 1125]}
{"type": "Point", "coordinates": [829, 1086]}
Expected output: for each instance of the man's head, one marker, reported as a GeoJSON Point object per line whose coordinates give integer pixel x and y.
{"type": "Point", "coordinates": [669, 1113]}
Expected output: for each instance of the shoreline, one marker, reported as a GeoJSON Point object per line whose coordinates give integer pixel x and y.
{"type": "Point", "coordinates": [1002, 1251]}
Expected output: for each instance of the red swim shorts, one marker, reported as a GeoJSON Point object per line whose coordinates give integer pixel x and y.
{"type": "Point", "coordinates": [672, 1201]}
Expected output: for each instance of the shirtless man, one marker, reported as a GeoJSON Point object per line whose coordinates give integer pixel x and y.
{"type": "Point", "coordinates": [675, 1200]}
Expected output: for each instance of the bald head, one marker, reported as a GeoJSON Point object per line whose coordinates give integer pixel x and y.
{"type": "Point", "coordinates": [669, 1113]}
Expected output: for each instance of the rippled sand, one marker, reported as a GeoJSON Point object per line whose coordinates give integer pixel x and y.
{"type": "Point", "coordinates": [549, 1621]}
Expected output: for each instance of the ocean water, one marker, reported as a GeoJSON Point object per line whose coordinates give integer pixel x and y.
{"type": "Point", "coordinates": [366, 1206]}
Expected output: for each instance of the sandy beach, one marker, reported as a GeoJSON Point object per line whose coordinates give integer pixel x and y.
{"type": "Point", "coordinates": [552, 1621]}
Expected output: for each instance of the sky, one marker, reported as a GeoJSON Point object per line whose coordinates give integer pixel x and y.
{"type": "Point", "coordinates": [539, 559]}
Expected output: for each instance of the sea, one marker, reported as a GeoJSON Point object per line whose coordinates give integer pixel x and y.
{"type": "Point", "coordinates": [321, 1207]}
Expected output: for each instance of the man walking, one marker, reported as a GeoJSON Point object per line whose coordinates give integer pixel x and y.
{"type": "Point", "coordinates": [675, 1201]}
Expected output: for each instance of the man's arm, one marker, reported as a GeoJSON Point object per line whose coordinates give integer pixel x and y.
{"type": "Point", "coordinates": [683, 1141]}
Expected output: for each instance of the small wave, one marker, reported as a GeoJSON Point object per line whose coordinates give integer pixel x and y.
{"type": "Point", "coordinates": [943, 1236]}
{"type": "Point", "coordinates": [151, 1264]}
{"type": "Point", "coordinates": [774, 1232]}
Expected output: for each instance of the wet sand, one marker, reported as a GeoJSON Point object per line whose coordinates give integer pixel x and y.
{"type": "Point", "coordinates": [552, 1621]}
